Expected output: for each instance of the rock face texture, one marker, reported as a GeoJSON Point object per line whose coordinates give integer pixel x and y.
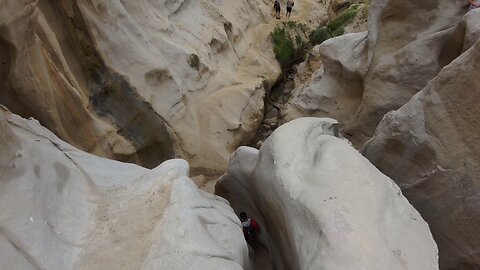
{"type": "Point", "coordinates": [65, 209]}
{"type": "Point", "coordinates": [95, 72]}
{"type": "Point", "coordinates": [142, 81]}
{"type": "Point", "coordinates": [50, 70]}
{"type": "Point", "coordinates": [324, 206]}
{"type": "Point", "coordinates": [429, 146]}
{"type": "Point", "coordinates": [182, 58]}
{"type": "Point", "coordinates": [367, 75]}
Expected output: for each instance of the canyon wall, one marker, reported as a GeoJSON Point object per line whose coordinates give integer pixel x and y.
{"type": "Point", "coordinates": [145, 81]}
{"type": "Point", "coordinates": [367, 75]}
{"type": "Point", "coordinates": [182, 58]}
{"type": "Point", "coordinates": [52, 72]}
{"type": "Point", "coordinates": [140, 81]}
{"type": "Point", "coordinates": [422, 56]}
{"type": "Point", "coordinates": [429, 146]}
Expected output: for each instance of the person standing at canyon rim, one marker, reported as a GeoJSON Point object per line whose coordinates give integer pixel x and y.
{"type": "Point", "coordinates": [290, 5]}
{"type": "Point", "coordinates": [277, 8]}
{"type": "Point", "coordinates": [474, 4]}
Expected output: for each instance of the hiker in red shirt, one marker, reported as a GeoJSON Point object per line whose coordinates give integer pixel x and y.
{"type": "Point", "coordinates": [250, 228]}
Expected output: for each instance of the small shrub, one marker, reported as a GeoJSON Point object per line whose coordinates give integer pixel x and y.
{"type": "Point", "coordinates": [337, 32]}
{"type": "Point", "coordinates": [336, 27]}
{"type": "Point", "coordinates": [320, 35]}
{"type": "Point", "coordinates": [289, 50]}
{"type": "Point", "coordinates": [283, 47]}
{"type": "Point", "coordinates": [303, 27]}
{"type": "Point", "coordinates": [291, 24]}
{"type": "Point", "coordinates": [298, 40]}
{"type": "Point", "coordinates": [194, 61]}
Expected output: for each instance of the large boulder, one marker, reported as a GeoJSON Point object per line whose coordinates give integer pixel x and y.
{"type": "Point", "coordinates": [65, 209]}
{"type": "Point", "coordinates": [407, 44]}
{"type": "Point", "coordinates": [336, 88]}
{"type": "Point", "coordinates": [322, 205]}
{"type": "Point", "coordinates": [430, 147]}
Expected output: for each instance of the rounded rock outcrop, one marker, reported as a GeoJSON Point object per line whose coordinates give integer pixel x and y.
{"type": "Point", "coordinates": [66, 209]}
{"type": "Point", "coordinates": [323, 205]}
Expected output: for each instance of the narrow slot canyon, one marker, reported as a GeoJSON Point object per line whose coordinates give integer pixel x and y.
{"type": "Point", "coordinates": [134, 133]}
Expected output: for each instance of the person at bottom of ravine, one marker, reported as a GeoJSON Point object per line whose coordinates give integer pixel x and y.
{"type": "Point", "coordinates": [290, 5]}
{"type": "Point", "coordinates": [250, 228]}
{"type": "Point", "coordinates": [277, 8]}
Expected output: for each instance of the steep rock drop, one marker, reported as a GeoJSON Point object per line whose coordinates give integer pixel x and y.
{"type": "Point", "coordinates": [66, 209]}
{"type": "Point", "coordinates": [429, 146]}
{"type": "Point", "coordinates": [366, 75]}
{"type": "Point", "coordinates": [324, 206]}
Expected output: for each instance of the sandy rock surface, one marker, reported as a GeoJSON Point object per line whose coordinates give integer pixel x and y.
{"type": "Point", "coordinates": [322, 205]}
{"type": "Point", "coordinates": [429, 146]}
{"type": "Point", "coordinates": [65, 209]}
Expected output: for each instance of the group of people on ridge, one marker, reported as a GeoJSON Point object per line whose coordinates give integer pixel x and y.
{"type": "Point", "coordinates": [278, 8]}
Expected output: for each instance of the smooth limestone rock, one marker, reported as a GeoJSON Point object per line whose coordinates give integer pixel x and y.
{"type": "Point", "coordinates": [407, 44]}
{"type": "Point", "coordinates": [322, 205]}
{"type": "Point", "coordinates": [430, 147]}
{"type": "Point", "coordinates": [65, 209]}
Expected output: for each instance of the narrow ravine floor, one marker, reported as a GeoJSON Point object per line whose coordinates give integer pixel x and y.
{"type": "Point", "coordinates": [275, 101]}
{"type": "Point", "coordinates": [262, 258]}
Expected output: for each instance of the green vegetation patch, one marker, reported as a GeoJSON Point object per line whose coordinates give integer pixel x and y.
{"type": "Point", "coordinates": [290, 43]}
{"type": "Point", "coordinates": [319, 35]}
{"type": "Point", "coordinates": [335, 27]}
